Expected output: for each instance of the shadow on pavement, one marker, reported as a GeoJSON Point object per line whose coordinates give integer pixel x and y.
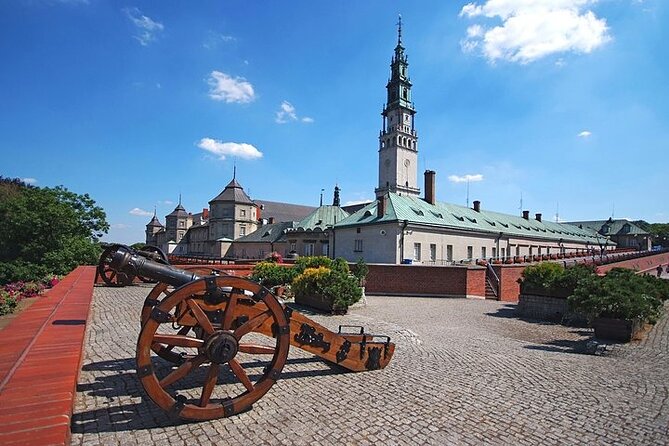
{"type": "Point", "coordinates": [124, 384]}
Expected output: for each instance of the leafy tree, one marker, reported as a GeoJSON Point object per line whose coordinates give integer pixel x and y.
{"type": "Point", "coordinates": [46, 230]}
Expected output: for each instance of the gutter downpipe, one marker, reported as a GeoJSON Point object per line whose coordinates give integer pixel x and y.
{"type": "Point", "coordinates": [404, 226]}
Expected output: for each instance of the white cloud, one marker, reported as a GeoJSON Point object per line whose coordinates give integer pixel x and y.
{"type": "Point", "coordinates": [465, 178]}
{"type": "Point", "coordinates": [223, 149]}
{"type": "Point", "coordinates": [120, 226]}
{"type": "Point", "coordinates": [167, 202]}
{"type": "Point", "coordinates": [29, 180]}
{"type": "Point", "coordinates": [140, 212]}
{"type": "Point", "coordinates": [214, 39]}
{"type": "Point", "coordinates": [584, 134]}
{"type": "Point", "coordinates": [146, 27]}
{"type": "Point", "coordinates": [532, 29]}
{"type": "Point", "coordinates": [287, 114]}
{"type": "Point", "coordinates": [229, 89]}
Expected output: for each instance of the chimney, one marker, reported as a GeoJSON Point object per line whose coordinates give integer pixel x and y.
{"type": "Point", "coordinates": [538, 217]}
{"type": "Point", "coordinates": [430, 191]}
{"type": "Point", "coordinates": [526, 215]}
{"type": "Point", "coordinates": [271, 220]}
{"type": "Point", "coordinates": [477, 205]}
{"type": "Point", "coordinates": [381, 207]}
{"type": "Point", "coordinates": [205, 214]}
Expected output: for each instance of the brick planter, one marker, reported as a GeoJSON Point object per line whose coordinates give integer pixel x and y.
{"type": "Point", "coordinates": [616, 329]}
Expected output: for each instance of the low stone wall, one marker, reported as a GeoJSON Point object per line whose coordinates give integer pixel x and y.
{"type": "Point", "coordinates": [547, 308]}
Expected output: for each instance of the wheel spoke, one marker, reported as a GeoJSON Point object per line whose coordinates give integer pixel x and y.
{"type": "Point", "coordinates": [252, 324]}
{"type": "Point", "coordinates": [239, 372]}
{"type": "Point", "coordinates": [202, 318]}
{"type": "Point", "coordinates": [229, 311]}
{"type": "Point", "coordinates": [209, 384]}
{"type": "Point", "coordinates": [183, 370]}
{"type": "Point", "coordinates": [178, 340]}
{"type": "Point", "coordinates": [255, 349]}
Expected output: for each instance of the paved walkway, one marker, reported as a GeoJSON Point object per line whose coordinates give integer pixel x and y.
{"type": "Point", "coordinates": [464, 372]}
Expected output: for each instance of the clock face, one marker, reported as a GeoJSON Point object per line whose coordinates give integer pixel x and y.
{"type": "Point", "coordinates": [406, 118]}
{"type": "Point", "coordinates": [407, 163]}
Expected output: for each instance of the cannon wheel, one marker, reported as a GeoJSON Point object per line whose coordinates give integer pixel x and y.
{"type": "Point", "coordinates": [217, 346]}
{"type": "Point", "coordinates": [157, 294]}
{"type": "Point", "coordinates": [161, 255]}
{"type": "Point", "coordinates": [110, 276]}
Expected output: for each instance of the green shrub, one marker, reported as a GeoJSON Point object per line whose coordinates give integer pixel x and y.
{"type": "Point", "coordinates": [8, 302]}
{"type": "Point", "coordinates": [335, 285]}
{"type": "Point", "coordinates": [271, 274]}
{"type": "Point", "coordinates": [312, 262]}
{"type": "Point", "coordinates": [553, 279]}
{"type": "Point", "coordinates": [621, 294]}
{"type": "Point", "coordinates": [360, 270]}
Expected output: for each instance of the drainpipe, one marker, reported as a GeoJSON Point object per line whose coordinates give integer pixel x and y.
{"type": "Point", "coordinates": [404, 226]}
{"type": "Point", "coordinates": [497, 242]}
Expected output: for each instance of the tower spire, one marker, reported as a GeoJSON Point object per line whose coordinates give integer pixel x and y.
{"type": "Point", "coordinates": [179, 198]}
{"type": "Point", "coordinates": [234, 169]}
{"type": "Point", "coordinates": [399, 29]}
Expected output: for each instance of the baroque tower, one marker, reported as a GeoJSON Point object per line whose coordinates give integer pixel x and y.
{"type": "Point", "coordinates": [398, 140]}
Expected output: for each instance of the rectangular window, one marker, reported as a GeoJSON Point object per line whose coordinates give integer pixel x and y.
{"type": "Point", "coordinates": [433, 252]}
{"type": "Point", "coordinates": [293, 247]}
{"type": "Point", "coordinates": [470, 252]}
{"type": "Point", "coordinates": [416, 251]}
{"type": "Point", "coordinates": [358, 245]}
{"type": "Point", "coordinates": [449, 253]}
{"type": "Point", "coordinates": [308, 249]}
{"type": "Point", "coordinates": [517, 250]}
{"type": "Point", "coordinates": [325, 249]}
{"type": "Point", "coordinates": [503, 252]}
{"type": "Point", "coordinates": [494, 252]}
{"type": "Point", "coordinates": [539, 250]}
{"type": "Point", "coordinates": [242, 212]}
{"type": "Point", "coordinates": [242, 231]}
{"type": "Point", "coordinates": [483, 252]}
{"type": "Point", "coordinates": [531, 250]}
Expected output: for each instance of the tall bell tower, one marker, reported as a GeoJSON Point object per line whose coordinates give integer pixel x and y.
{"type": "Point", "coordinates": [398, 140]}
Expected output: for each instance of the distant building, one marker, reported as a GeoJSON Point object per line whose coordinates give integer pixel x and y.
{"type": "Point", "coordinates": [623, 233]}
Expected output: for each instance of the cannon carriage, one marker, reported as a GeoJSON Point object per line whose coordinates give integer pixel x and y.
{"type": "Point", "coordinates": [211, 345]}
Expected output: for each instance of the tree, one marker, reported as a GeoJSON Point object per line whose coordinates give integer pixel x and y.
{"type": "Point", "coordinates": [46, 230]}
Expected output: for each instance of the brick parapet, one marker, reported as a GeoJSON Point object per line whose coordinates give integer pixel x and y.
{"type": "Point", "coordinates": [419, 280]}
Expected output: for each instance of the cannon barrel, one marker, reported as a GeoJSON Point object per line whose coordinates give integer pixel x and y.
{"type": "Point", "coordinates": [127, 261]}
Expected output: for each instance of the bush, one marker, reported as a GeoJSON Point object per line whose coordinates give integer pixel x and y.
{"type": "Point", "coordinates": [621, 294]}
{"type": "Point", "coordinates": [8, 302]}
{"type": "Point", "coordinates": [303, 263]}
{"type": "Point", "coordinates": [360, 270]}
{"type": "Point", "coordinates": [271, 274]}
{"type": "Point", "coordinates": [553, 279]}
{"type": "Point", "coordinates": [336, 286]}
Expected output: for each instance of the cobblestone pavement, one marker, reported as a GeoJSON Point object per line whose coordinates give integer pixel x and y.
{"type": "Point", "coordinates": [464, 372]}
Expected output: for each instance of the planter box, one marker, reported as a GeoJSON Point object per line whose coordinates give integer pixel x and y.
{"type": "Point", "coordinates": [318, 303]}
{"type": "Point", "coordinates": [616, 329]}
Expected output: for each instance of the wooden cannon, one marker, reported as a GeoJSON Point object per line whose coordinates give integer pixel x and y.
{"type": "Point", "coordinates": [212, 345]}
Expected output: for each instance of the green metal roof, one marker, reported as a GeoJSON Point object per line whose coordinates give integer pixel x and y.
{"type": "Point", "coordinates": [267, 233]}
{"type": "Point", "coordinates": [322, 218]}
{"type": "Point", "coordinates": [611, 227]}
{"type": "Point", "coordinates": [445, 215]}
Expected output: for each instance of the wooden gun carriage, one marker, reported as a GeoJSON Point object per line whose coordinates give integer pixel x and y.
{"type": "Point", "coordinates": [211, 345]}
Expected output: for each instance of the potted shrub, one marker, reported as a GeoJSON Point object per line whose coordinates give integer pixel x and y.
{"type": "Point", "coordinates": [273, 275]}
{"type": "Point", "coordinates": [331, 289]}
{"type": "Point", "coordinates": [620, 303]}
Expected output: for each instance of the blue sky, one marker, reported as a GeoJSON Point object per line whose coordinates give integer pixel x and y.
{"type": "Point", "coordinates": [562, 101]}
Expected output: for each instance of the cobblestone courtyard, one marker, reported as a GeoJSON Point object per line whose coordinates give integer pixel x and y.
{"type": "Point", "coordinates": [464, 372]}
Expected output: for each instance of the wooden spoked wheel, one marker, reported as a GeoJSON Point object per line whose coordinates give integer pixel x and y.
{"type": "Point", "coordinates": [159, 256]}
{"type": "Point", "coordinates": [110, 276]}
{"type": "Point", "coordinates": [216, 378]}
{"type": "Point", "coordinates": [157, 294]}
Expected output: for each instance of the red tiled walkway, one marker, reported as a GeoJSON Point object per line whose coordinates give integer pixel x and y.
{"type": "Point", "coordinates": [40, 358]}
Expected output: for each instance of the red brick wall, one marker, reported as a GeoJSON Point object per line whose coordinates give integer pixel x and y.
{"type": "Point", "coordinates": [641, 264]}
{"type": "Point", "coordinates": [417, 280]}
{"type": "Point", "coordinates": [508, 281]}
